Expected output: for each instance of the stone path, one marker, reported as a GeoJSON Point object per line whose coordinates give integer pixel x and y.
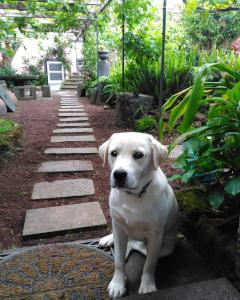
{"type": "Point", "coordinates": [86, 150]}
{"type": "Point", "coordinates": [80, 217]}
{"type": "Point", "coordinates": [74, 216]}
{"type": "Point", "coordinates": [65, 166]}
{"type": "Point", "coordinates": [73, 119]}
{"type": "Point", "coordinates": [73, 138]}
{"type": "Point", "coordinates": [83, 124]}
{"type": "Point", "coordinates": [72, 130]}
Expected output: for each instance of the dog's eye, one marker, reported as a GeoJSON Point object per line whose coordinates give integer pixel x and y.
{"type": "Point", "coordinates": [114, 153]}
{"type": "Point", "coordinates": [138, 155]}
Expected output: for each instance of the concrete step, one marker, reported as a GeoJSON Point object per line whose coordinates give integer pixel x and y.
{"type": "Point", "coordinates": [215, 289]}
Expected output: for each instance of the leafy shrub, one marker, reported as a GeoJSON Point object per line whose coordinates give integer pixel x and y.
{"type": "Point", "coordinates": [10, 135]}
{"type": "Point", "coordinates": [145, 124]}
{"type": "Point", "coordinates": [212, 151]}
{"type": "Point", "coordinates": [7, 70]}
{"type": "Point", "coordinates": [6, 125]}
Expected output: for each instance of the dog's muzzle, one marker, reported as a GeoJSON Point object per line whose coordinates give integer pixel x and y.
{"type": "Point", "coordinates": [120, 177]}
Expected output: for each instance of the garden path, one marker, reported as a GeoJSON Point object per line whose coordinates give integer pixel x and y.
{"type": "Point", "coordinates": [65, 270]}
{"type": "Point", "coordinates": [73, 216]}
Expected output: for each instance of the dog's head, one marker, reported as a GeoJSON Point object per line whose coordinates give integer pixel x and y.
{"type": "Point", "coordinates": [132, 157]}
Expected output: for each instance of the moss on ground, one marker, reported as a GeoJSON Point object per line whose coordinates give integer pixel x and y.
{"type": "Point", "coordinates": [191, 200]}
{"type": "Point", "coordinates": [10, 136]}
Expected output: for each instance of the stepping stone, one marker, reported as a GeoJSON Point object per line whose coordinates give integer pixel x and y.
{"type": "Point", "coordinates": [69, 103]}
{"type": "Point", "coordinates": [72, 130]}
{"type": "Point", "coordinates": [73, 119]}
{"type": "Point", "coordinates": [85, 150]}
{"type": "Point", "coordinates": [71, 110]}
{"type": "Point", "coordinates": [62, 189]}
{"type": "Point", "coordinates": [62, 218]}
{"type": "Point", "coordinates": [69, 98]}
{"type": "Point", "coordinates": [73, 114]}
{"type": "Point", "coordinates": [73, 124]}
{"type": "Point", "coordinates": [65, 166]}
{"type": "Point", "coordinates": [71, 107]}
{"type": "Point", "coordinates": [74, 105]}
{"type": "Point", "coordinates": [73, 138]}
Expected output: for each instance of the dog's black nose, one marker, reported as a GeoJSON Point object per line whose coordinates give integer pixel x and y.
{"type": "Point", "coordinates": [120, 176]}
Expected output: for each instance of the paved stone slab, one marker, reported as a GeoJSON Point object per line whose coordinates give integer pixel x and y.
{"type": "Point", "coordinates": [71, 110]}
{"type": "Point", "coordinates": [72, 138]}
{"type": "Point", "coordinates": [74, 105]}
{"type": "Point", "coordinates": [62, 218]}
{"type": "Point", "coordinates": [71, 106]}
{"type": "Point", "coordinates": [85, 150]}
{"type": "Point", "coordinates": [72, 130]}
{"type": "Point", "coordinates": [214, 289]}
{"type": "Point", "coordinates": [73, 114]}
{"type": "Point", "coordinates": [69, 98]}
{"type": "Point", "coordinates": [62, 189]}
{"type": "Point", "coordinates": [65, 166]}
{"type": "Point", "coordinates": [69, 103]}
{"type": "Point", "coordinates": [84, 124]}
{"type": "Point", "coordinates": [73, 119]}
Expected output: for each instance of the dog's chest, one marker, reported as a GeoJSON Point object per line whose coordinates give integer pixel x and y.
{"type": "Point", "coordinates": [136, 221]}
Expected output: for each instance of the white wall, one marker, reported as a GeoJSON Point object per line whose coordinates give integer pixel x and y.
{"type": "Point", "coordinates": [33, 49]}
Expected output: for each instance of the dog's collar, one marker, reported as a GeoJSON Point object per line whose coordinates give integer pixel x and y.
{"type": "Point", "coordinates": [143, 191]}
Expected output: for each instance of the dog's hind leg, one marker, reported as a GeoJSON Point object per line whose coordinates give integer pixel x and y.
{"type": "Point", "coordinates": [106, 241]}
{"type": "Point", "coordinates": [137, 246]}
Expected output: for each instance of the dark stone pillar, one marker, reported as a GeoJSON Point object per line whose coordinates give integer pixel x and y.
{"type": "Point", "coordinates": [46, 92]}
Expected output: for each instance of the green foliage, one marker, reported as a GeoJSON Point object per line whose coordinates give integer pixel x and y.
{"type": "Point", "coordinates": [59, 51]}
{"type": "Point", "coordinates": [211, 152]}
{"type": "Point", "coordinates": [209, 30]}
{"type": "Point", "coordinates": [89, 53]}
{"type": "Point", "coordinates": [10, 135]}
{"type": "Point", "coordinates": [145, 124]}
{"type": "Point", "coordinates": [7, 70]}
{"type": "Point", "coordinates": [6, 125]}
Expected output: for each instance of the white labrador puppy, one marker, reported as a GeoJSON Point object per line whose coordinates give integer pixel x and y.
{"type": "Point", "coordinates": [143, 207]}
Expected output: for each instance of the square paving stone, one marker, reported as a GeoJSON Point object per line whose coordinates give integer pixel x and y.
{"type": "Point", "coordinates": [84, 124]}
{"type": "Point", "coordinates": [72, 130]}
{"type": "Point", "coordinates": [72, 138]}
{"type": "Point", "coordinates": [71, 106]}
{"type": "Point", "coordinates": [65, 166]}
{"type": "Point", "coordinates": [84, 150]}
{"type": "Point", "coordinates": [73, 119]}
{"type": "Point", "coordinates": [71, 110]}
{"type": "Point", "coordinates": [62, 189]}
{"type": "Point", "coordinates": [62, 218]}
{"type": "Point", "coordinates": [72, 114]}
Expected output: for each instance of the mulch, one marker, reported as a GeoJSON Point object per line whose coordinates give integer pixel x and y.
{"type": "Point", "coordinates": [18, 173]}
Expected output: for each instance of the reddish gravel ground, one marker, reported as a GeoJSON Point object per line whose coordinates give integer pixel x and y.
{"type": "Point", "coordinates": [18, 173]}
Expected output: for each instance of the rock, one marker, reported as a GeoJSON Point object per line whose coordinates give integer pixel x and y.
{"type": "Point", "coordinates": [3, 107]}
{"type": "Point", "coordinates": [130, 108]}
{"type": "Point", "coordinates": [13, 97]}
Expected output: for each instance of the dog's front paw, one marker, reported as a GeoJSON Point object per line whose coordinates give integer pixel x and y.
{"type": "Point", "coordinates": [147, 285]}
{"type": "Point", "coordinates": [106, 241]}
{"type": "Point", "coordinates": [116, 288]}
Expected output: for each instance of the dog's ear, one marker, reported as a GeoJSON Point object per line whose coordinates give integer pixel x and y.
{"type": "Point", "coordinates": [103, 151]}
{"type": "Point", "coordinates": [160, 152]}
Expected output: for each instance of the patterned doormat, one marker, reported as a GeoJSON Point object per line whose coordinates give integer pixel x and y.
{"type": "Point", "coordinates": [59, 271]}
